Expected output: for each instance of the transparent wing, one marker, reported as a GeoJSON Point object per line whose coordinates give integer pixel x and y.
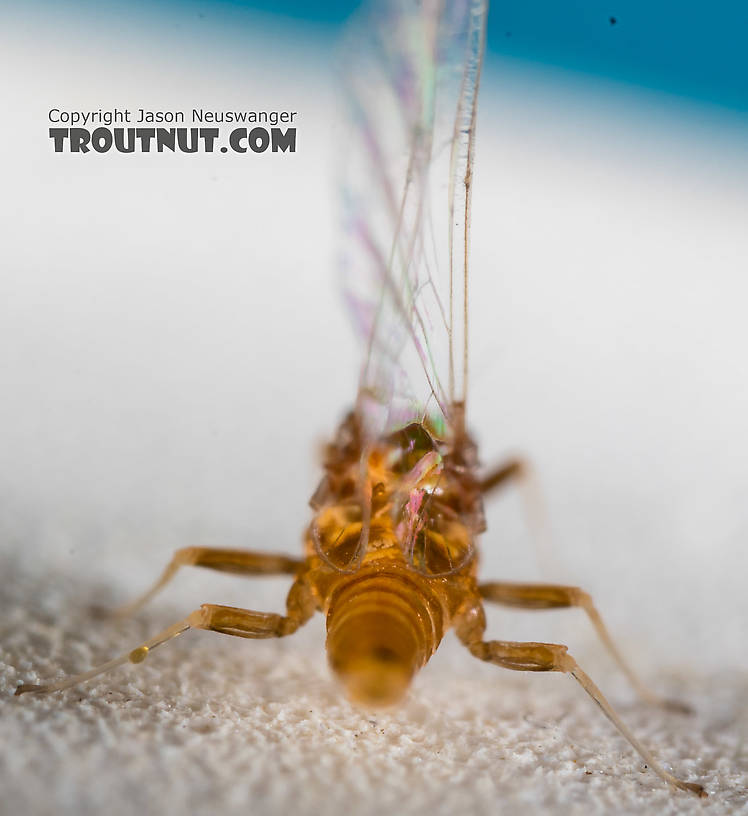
{"type": "Point", "coordinates": [410, 72]}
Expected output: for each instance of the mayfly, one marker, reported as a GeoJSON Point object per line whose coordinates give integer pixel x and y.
{"type": "Point", "coordinates": [390, 554]}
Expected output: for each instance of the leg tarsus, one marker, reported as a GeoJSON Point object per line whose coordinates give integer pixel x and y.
{"type": "Point", "coordinates": [134, 656]}
{"type": "Point", "coordinates": [572, 667]}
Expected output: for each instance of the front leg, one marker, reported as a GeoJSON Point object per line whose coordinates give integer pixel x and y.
{"type": "Point", "coordinates": [520, 472]}
{"type": "Point", "coordinates": [512, 470]}
{"type": "Point", "coordinates": [542, 657]}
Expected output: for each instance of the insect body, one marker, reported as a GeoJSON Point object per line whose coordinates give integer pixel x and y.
{"type": "Point", "coordinates": [390, 553]}
{"type": "Point", "coordinates": [404, 561]}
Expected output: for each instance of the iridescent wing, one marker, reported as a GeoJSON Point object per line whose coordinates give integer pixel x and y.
{"type": "Point", "coordinates": [411, 74]}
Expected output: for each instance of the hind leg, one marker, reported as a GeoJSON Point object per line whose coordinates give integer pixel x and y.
{"type": "Point", "coordinates": [543, 657]}
{"type": "Point", "coordinates": [300, 606]}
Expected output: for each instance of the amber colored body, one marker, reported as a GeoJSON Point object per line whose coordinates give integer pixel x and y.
{"type": "Point", "coordinates": [385, 616]}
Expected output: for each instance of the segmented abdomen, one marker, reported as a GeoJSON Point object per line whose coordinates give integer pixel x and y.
{"type": "Point", "coordinates": [382, 626]}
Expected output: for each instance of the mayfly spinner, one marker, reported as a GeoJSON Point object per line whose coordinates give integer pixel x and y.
{"type": "Point", "coordinates": [390, 553]}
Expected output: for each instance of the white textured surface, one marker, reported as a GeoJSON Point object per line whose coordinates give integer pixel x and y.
{"type": "Point", "coordinates": [213, 724]}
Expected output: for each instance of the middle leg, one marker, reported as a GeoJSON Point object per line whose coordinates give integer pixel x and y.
{"type": "Point", "coordinates": [239, 562]}
{"type": "Point", "coordinates": [555, 596]}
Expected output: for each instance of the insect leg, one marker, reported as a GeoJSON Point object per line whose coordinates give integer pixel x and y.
{"type": "Point", "coordinates": [507, 472]}
{"type": "Point", "coordinates": [520, 472]}
{"type": "Point", "coordinates": [300, 606]}
{"type": "Point", "coordinates": [554, 596]}
{"type": "Point", "coordinates": [242, 562]}
{"type": "Point", "coordinates": [470, 627]}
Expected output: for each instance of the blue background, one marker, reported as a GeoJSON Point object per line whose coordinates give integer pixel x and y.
{"type": "Point", "coordinates": [695, 49]}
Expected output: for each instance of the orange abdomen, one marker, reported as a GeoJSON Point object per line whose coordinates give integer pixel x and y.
{"type": "Point", "coordinates": [382, 627]}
